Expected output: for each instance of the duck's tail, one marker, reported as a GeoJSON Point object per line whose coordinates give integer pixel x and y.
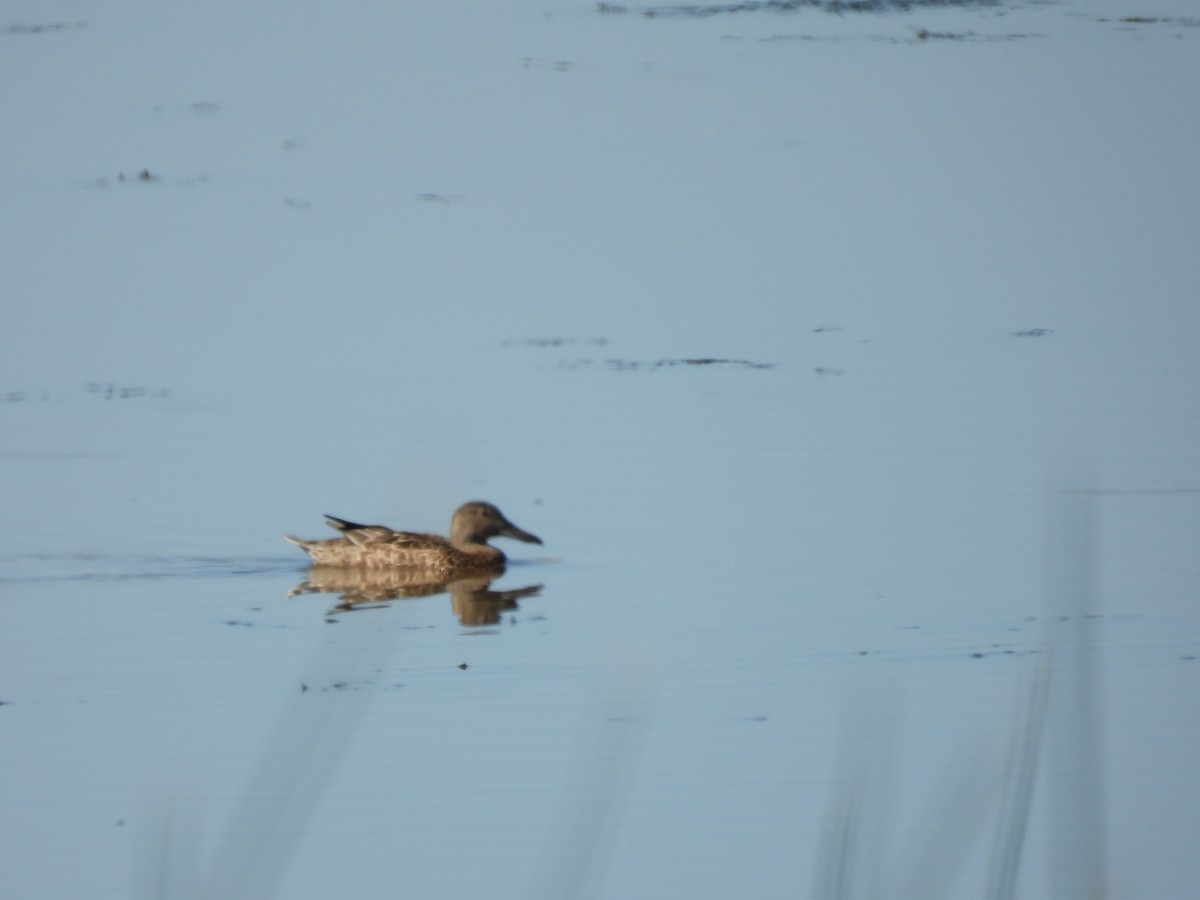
{"type": "Point", "coordinates": [299, 542]}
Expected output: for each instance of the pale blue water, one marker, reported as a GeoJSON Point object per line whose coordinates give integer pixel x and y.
{"type": "Point", "coordinates": [776, 328]}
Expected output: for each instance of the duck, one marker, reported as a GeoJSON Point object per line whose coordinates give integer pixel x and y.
{"type": "Point", "coordinates": [377, 547]}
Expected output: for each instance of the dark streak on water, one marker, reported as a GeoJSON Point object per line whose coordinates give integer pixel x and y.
{"type": "Point", "coordinates": [836, 7]}
{"type": "Point", "coordinates": [629, 365]}
{"type": "Point", "coordinates": [35, 568]}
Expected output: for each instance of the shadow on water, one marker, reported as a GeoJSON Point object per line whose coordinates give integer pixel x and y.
{"type": "Point", "coordinates": [984, 799]}
{"type": "Point", "coordinates": [576, 853]}
{"type": "Point", "coordinates": [301, 755]}
{"type": "Point", "coordinates": [296, 765]}
{"type": "Point", "coordinates": [988, 793]}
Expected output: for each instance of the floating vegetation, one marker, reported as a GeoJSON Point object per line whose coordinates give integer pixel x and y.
{"type": "Point", "coordinates": [199, 108]}
{"type": "Point", "coordinates": [830, 6]}
{"type": "Point", "coordinates": [557, 341]}
{"type": "Point", "coordinates": [1002, 650]}
{"type": "Point", "coordinates": [631, 365]}
{"type": "Point", "coordinates": [550, 65]}
{"type": "Point", "coordinates": [145, 176]}
{"type": "Point", "coordinates": [112, 391]}
{"type": "Point", "coordinates": [919, 35]}
{"type": "Point", "coordinates": [1186, 21]}
{"type": "Point", "coordinates": [431, 197]}
{"type": "Point", "coordinates": [22, 396]}
{"type": "Point", "coordinates": [42, 28]}
{"type": "Point", "coordinates": [1033, 332]}
{"type": "Point", "coordinates": [924, 34]}
{"type": "Point", "coordinates": [105, 390]}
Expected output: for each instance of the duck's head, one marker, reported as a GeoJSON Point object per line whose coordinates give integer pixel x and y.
{"type": "Point", "coordinates": [477, 521]}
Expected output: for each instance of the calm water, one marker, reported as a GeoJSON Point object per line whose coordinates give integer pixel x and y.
{"type": "Point", "coordinates": [847, 372]}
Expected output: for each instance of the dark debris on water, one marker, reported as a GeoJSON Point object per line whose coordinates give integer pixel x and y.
{"type": "Point", "coordinates": [42, 27]}
{"type": "Point", "coordinates": [557, 341]}
{"type": "Point", "coordinates": [617, 364]}
{"type": "Point", "coordinates": [104, 390]}
{"type": "Point", "coordinates": [634, 365]}
{"type": "Point", "coordinates": [145, 176]}
{"type": "Point", "coordinates": [830, 6]}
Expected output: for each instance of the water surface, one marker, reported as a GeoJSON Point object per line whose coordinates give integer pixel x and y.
{"type": "Point", "coordinates": [845, 364]}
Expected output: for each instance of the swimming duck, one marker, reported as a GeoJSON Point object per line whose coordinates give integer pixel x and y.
{"type": "Point", "coordinates": [376, 547]}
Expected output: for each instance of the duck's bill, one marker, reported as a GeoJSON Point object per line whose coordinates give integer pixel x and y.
{"type": "Point", "coordinates": [512, 531]}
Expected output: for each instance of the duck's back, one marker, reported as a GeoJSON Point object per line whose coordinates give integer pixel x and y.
{"type": "Point", "coordinates": [375, 547]}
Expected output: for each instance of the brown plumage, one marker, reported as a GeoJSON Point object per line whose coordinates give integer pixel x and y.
{"type": "Point", "coordinates": [377, 547]}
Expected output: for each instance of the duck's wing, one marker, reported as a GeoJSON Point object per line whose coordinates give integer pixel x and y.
{"type": "Point", "coordinates": [375, 535]}
{"type": "Point", "coordinates": [345, 525]}
{"type": "Point", "coordinates": [360, 534]}
{"type": "Point", "coordinates": [415, 540]}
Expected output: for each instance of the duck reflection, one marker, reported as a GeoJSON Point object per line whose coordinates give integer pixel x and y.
{"type": "Point", "coordinates": [471, 598]}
